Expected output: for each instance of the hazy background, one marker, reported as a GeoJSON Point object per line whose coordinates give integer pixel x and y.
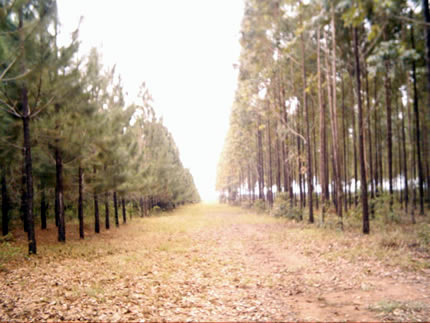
{"type": "Point", "coordinates": [184, 51]}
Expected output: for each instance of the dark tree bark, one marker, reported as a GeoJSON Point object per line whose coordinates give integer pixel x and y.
{"type": "Point", "coordinates": [369, 143]}
{"type": "Point", "coordinates": [32, 249]}
{"type": "Point", "coordinates": [314, 145]}
{"type": "Point", "coordinates": [28, 164]}
{"type": "Point", "coordinates": [260, 162]}
{"type": "Point", "coordinates": [107, 219]}
{"type": "Point", "coordinates": [142, 211]}
{"type": "Point", "coordinates": [299, 170]}
{"type": "Point", "coordinates": [363, 180]}
{"type": "Point", "coordinates": [426, 13]}
{"type": "Point", "coordinates": [80, 203]}
{"type": "Point", "coordinates": [5, 205]}
{"type": "Point", "coordinates": [345, 140]}
{"type": "Point", "coordinates": [323, 137]}
{"type": "Point", "coordinates": [337, 167]}
{"type": "Point", "coordinates": [278, 165]}
{"type": "Point", "coordinates": [24, 209]}
{"type": "Point", "coordinates": [124, 214]}
{"type": "Point", "coordinates": [308, 136]}
{"type": "Point", "coordinates": [115, 205]}
{"type": "Point", "coordinates": [96, 207]}
{"type": "Point", "coordinates": [354, 145]}
{"type": "Point", "coordinates": [59, 190]}
{"type": "Point", "coordinates": [387, 85]}
{"type": "Point", "coordinates": [270, 170]}
{"type": "Point", "coordinates": [399, 150]}
{"type": "Point", "coordinates": [417, 125]}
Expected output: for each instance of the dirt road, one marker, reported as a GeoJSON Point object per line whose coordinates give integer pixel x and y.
{"type": "Point", "coordinates": [210, 263]}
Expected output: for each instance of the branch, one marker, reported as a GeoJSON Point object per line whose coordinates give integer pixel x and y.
{"type": "Point", "coordinates": [7, 69]}
{"type": "Point", "coordinates": [42, 108]}
{"type": "Point", "coordinates": [420, 22]}
{"type": "Point", "coordinates": [296, 134]}
{"type": "Point", "coordinates": [375, 40]}
{"type": "Point", "coordinates": [17, 77]}
{"type": "Point", "coordinates": [10, 109]}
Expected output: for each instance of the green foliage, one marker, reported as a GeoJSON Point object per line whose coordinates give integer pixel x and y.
{"type": "Point", "coordinates": [259, 206]}
{"type": "Point", "coordinates": [156, 210]}
{"type": "Point", "coordinates": [78, 108]}
{"type": "Point", "coordinates": [383, 211]}
{"type": "Point", "coordinates": [281, 205]}
{"type": "Point", "coordinates": [424, 235]}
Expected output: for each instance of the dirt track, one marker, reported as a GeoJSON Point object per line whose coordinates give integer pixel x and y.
{"type": "Point", "coordinates": [207, 263]}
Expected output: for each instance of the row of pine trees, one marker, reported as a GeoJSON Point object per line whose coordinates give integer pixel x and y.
{"type": "Point", "coordinates": [68, 142]}
{"type": "Point", "coordinates": [332, 107]}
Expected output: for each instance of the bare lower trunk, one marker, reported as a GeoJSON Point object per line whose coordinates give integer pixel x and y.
{"type": "Point", "coordinates": [96, 209]}
{"type": "Point", "coordinates": [308, 136]}
{"type": "Point", "coordinates": [363, 179]}
{"type": "Point", "coordinates": [260, 163]}
{"type": "Point", "coordinates": [323, 138]}
{"type": "Point", "coordinates": [115, 205]}
{"type": "Point", "coordinates": [270, 170]}
{"type": "Point", "coordinates": [81, 202]}
{"type": "Point", "coordinates": [387, 84]}
{"type": "Point", "coordinates": [417, 129]}
{"type": "Point", "coordinates": [5, 205]}
{"type": "Point", "coordinates": [124, 214]}
{"type": "Point", "coordinates": [107, 219]}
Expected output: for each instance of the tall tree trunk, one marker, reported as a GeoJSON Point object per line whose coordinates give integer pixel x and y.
{"type": "Point", "coordinates": [124, 215]}
{"type": "Point", "coordinates": [323, 138]}
{"type": "Point", "coordinates": [115, 205]}
{"type": "Point", "coordinates": [308, 137]}
{"type": "Point", "coordinates": [334, 125]}
{"type": "Point", "coordinates": [387, 85]}
{"type": "Point", "coordinates": [80, 203]}
{"type": "Point", "coordinates": [28, 164]}
{"type": "Point", "coordinates": [345, 140]}
{"type": "Point", "coordinates": [142, 211]}
{"type": "Point", "coordinates": [369, 140]}
{"type": "Point", "coordinates": [260, 162]}
{"type": "Point", "coordinates": [24, 209]}
{"type": "Point", "coordinates": [59, 188]}
{"type": "Point", "coordinates": [270, 170]}
{"type": "Point", "coordinates": [96, 207]}
{"type": "Point", "coordinates": [354, 144]}
{"type": "Point", "coordinates": [426, 13]}
{"type": "Point", "coordinates": [399, 152]}
{"type": "Point", "coordinates": [299, 169]}
{"type": "Point", "coordinates": [5, 204]}
{"type": "Point", "coordinates": [363, 180]}
{"type": "Point", "coordinates": [417, 124]}
{"type": "Point", "coordinates": [278, 165]}
{"type": "Point", "coordinates": [32, 249]}
{"type": "Point", "coordinates": [314, 145]}
{"type": "Point", "coordinates": [107, 219]}
{"type": "Point", "coordinates": [375, 132]}
{"type": "Point", "coordinates": [411, 144]}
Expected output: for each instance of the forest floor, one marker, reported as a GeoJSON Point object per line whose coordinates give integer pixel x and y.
{"type": "Point", "coordinates": [217, 263]}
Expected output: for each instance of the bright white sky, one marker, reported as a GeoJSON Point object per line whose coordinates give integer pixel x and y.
{"type": "Point", "coordinates": [184, 51]}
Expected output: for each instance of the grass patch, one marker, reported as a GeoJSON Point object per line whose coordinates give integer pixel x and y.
{"type": "Point", "coordinates": [397, 310]}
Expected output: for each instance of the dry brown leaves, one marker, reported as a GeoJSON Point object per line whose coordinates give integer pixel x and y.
{"type": "Point", "coordinates": [230, 267]}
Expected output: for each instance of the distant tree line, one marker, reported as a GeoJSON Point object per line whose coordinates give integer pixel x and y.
{"type": "Point", "coordinates": [68, 142]}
